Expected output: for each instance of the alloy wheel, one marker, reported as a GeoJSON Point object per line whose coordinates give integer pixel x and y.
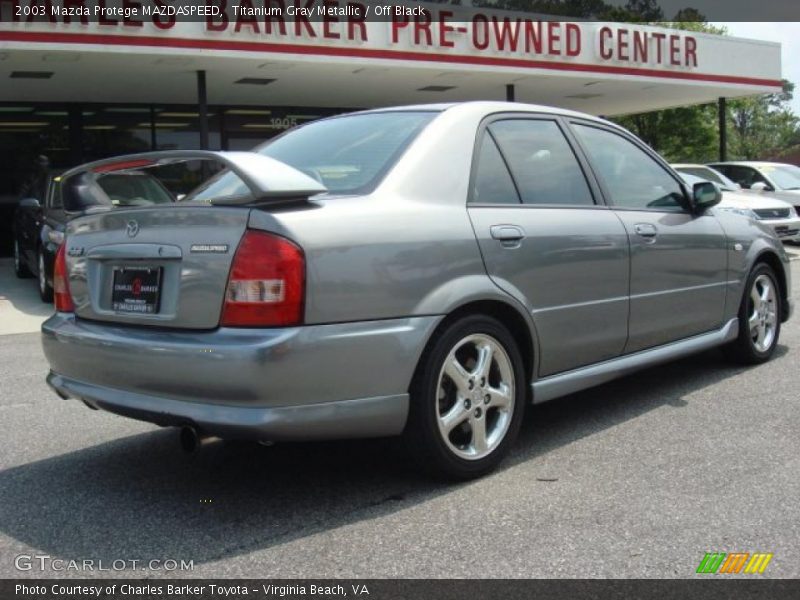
{"type": "Point", "coordinates": [763, 317]}
{"type": "Point", "coordinates": [475, 397]}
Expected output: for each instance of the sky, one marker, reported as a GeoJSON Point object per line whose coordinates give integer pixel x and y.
{"type": "Point", "coordinates": [788, 34]}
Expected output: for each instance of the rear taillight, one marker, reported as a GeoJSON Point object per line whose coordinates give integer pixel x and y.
{"type": "Point", "coordinates": [266, 287]}
{"type": "Point", "coordinates": [61, 295]}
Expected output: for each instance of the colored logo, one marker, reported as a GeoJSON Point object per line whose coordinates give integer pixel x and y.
{"type": "Point", "coordinates": [734, 562]}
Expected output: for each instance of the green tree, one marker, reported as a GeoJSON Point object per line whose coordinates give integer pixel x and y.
{"type": "Point", "coordinates": [684, 134]}
{"type": "Point", "coordinates": [762, 126]}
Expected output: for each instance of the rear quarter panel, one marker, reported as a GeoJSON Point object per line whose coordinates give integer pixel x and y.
{"type": "Point", "coordinates": [380, 257]}
{"type": "Point", "coordinates": [408, 248]}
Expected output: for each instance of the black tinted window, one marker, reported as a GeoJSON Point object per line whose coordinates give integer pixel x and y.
{"type": "Point", "coordinates": [744, 176]}
{"type": "Point", "coordinates": [493, 184]}
{"type": "Point", "coordinates": [542, 162]}
{"type": "Point", "coordinates": [632, 177]}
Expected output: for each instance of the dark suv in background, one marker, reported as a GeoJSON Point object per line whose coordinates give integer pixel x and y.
{"type": "Point", "coordinates": [39, 223]}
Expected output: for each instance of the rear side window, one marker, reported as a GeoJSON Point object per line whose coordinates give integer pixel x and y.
{"type": "Point", "coordinates": [542, 162]}
{"type": "Point", "coordinates": [745, 176]}
{"type": "Point", "coordinates": [493, 183]}
{"type": "Point", "coordinates": [632, 177]}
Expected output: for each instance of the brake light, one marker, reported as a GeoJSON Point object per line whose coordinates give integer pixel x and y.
{"type": "Point", "coordinates": [123, 165]}
{"type": "Point", "coordinates": [61, 295]}
{"type": "Point", "coordinates": [266, 286]}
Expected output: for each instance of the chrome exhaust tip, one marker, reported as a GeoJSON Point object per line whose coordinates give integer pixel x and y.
{"type": "Point", "coordinates": [191, 440]}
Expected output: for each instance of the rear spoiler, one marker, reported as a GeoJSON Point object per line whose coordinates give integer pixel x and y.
{"type": "Point", "coordinates": [265, 177]}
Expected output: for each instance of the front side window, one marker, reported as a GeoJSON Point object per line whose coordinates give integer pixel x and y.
{"type": "Point", "coordinates": [542, 163]}
{"type": "Point", "coordinates": [632, 177]}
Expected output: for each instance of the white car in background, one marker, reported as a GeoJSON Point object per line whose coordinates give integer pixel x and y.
{"type": "Point", "coordinates": [775, 213]}
{"type": "Point", "coordinates": [763, 176]}
{"type": "Point", "coordinates": [769, 179]}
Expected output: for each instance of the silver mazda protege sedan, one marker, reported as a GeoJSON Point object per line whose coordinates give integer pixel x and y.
{"type": "Point", "coordinates": [424, 271]}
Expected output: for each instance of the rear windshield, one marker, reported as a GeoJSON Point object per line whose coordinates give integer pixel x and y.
{"type": "Point", "coordinates": [133, 190]}
{"type": "Point", "coordinates": [710, 175]}
{"type": "Point", "coordinates": [348, 155]}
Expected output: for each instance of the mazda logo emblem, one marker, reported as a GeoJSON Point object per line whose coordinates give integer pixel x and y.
{"type": "Point", "coordinates": [132, 229]}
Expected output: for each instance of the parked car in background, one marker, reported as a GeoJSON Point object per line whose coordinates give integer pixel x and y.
{"type": "Point", "coordinates": [777, 214]}
{"type": "Point", "coordinates": [780, 180]}
{"type": "Point", "coordinates": [759, 175]}
{"type": "Point", "coordinates": [422, 271]}
{"type": "Point", "coordinates": [709, 174]}
{"type": "Point", "coordinates": [39, 223]}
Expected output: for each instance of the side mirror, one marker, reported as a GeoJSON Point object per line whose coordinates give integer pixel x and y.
{"type": "Point", "coordinates": [30, 203]}
{"type": "Point", "coordinates": [760, 186]}
{"type": "Point", "coordinates": [705, 195]}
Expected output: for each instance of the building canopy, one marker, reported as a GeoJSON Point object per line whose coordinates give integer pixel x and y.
{"type": "Point", "coordinates": [273, 53]}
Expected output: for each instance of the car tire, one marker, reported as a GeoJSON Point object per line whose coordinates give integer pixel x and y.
{"type": "Point", "coordinates": [759, 318]}
{"type": "Point", "coordinates": [465, 410]}
{"type": "Point", "coordinates": [45, 289]}
{"type": "Point", "coordinates": [21, 270]}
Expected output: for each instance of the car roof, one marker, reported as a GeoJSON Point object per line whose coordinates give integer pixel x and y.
{"type": "Point", "coordinates": [489, 107]}
{"type": "Point", "coordinates": [690, 166]}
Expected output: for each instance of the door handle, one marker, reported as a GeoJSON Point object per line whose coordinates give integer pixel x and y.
{"type": "Point", "coordinates": [646, 230]}
{"type": "Point", "coordinates": [507, 233]}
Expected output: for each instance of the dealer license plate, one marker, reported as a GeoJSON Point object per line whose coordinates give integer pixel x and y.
{"type": "Point", "coordinates": [136, 290]}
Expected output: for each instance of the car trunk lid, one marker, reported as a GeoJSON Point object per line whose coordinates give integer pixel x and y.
{"type": "Point", "coordinates": [165, 266]}
{"type": "Point", "coordinates": [168, 265]}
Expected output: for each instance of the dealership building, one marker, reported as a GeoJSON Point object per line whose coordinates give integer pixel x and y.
{"type": "Point", "coordinates": [78, 87]}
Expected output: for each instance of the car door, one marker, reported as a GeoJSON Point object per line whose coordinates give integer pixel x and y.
{"type": "Point", "coordinates": [547, 242]}
{"type": "Point", "coordinates": [678, 259]}
{"type": "Point", "coordinates": [743, 175]}
{"type": "Point", "coordinates": [28, 225]}
{"type": "Point", "coordinates": [54, 224]}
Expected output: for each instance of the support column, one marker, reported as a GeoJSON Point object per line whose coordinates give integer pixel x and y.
{"type": "Point", "coordinates": [75, 134]}
{"type": "Point", "coordinates": [153, 139]}
{"type": "Point", "coordinates": [722, 113]}
{"type": "Point", "coordinates": [510, 92]}
{"type": "Point", "coordinates": [202, 109]}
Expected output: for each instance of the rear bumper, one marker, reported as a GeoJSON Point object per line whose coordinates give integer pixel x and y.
{"type": "Point", "coordinates": [314, 382]}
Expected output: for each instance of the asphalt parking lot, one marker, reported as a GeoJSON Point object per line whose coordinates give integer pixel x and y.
{"type": "Point", "coordinates": [637, 478]}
